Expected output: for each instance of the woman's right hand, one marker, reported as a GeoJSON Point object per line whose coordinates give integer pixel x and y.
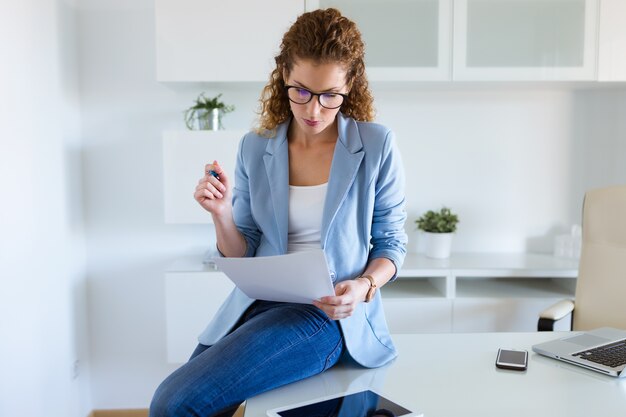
{"type": "Point", "coordinates": [214, 194]}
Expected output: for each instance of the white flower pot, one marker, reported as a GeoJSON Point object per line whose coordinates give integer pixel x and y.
{"type": "Point", "coordinates": [438, 245]}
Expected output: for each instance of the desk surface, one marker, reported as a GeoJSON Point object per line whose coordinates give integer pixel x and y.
{"type": "Point", "coordinates": [449, 375]}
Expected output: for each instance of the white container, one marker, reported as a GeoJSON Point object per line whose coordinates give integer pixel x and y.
{"type": "Point", "coordinates": [569, 246]}
{"type": "Point", "coordinates": [438, 245]}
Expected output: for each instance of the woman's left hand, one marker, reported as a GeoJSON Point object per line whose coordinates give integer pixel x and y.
{"type": "Point", "coordinates": [348, 294]}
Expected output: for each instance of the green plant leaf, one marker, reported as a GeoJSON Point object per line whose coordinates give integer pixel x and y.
{"type": "Point", "coordinates": [443, 221]}
{"type": "Point", "coordinates": [201, 104]}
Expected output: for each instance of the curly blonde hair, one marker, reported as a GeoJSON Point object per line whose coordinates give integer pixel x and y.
{"type": "Point", "coordinates": [323, 36]}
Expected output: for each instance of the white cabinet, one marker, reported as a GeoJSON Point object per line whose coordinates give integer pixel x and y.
{"type": "Point", "coordinates": [525, 39]}
{"type": "Point", "coordinates": [465, 293]}
{"type": "Point", "coordinates": [211, 40]}
{"type": "Point", "coordinates": [463, 40]}
{"type": "Point", "coordinates": [477, 292]}
{"type": "Point", "coordinates": [418, 305]}
{"type": "Point", "coordinates": [612, 41]}
{"type": "Point", "coordinates": [505, 304]}
{"type": "Point", "coordinates": [405, 40]}
{"type": "Point", "coordinates": [185, 154]}
{"type": "Point", "coordinates": [193, 294]}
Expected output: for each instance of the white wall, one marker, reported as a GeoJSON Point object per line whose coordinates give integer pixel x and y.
{"type": "Point", "coordinates": [513, 161]}
{"type": "Point", "coordinates": [602, 137]}
{"type": "Point", "coordinates": [498, 156]}
{"type": "Point", "coordinates": [43, 328]}
{"type": "Point", "coordinates": [128, 245]}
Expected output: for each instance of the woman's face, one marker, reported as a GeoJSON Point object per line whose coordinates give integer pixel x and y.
{"type": "Point", "coordinates": [312, 118]}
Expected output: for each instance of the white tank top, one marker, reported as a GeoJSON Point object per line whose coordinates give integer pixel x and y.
{"type": "Point", "coordinates": [306, 205]}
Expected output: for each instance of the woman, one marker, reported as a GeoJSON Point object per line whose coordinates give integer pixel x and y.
{"type": "Point", "coordinates": [316, 174]}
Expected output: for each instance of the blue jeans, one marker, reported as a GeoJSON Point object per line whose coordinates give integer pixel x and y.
{"type": "Point", "coordinates": [274, 344]}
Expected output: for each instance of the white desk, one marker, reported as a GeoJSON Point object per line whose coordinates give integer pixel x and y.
{"type": "Point", "coordinates": [449, 375]}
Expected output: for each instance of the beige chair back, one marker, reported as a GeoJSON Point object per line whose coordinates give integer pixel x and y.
{"type": "Point", "coordinates": [601, 284]}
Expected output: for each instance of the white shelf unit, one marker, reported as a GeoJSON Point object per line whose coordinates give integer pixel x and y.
{"type": "Point", "coordinates": [185, 153]}
{"type": "Point", "coordinates": [487, 265]}
{"type": "Point", "coordinates": [471, 292]}
{"type": "Point", "coordinates": [465, 293]}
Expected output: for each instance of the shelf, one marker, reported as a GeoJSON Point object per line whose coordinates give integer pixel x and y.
{"type": "Point", "coordinates": [459, 265]}
{"type": "Point", "coordinates": [412, 288]}
{"type": "Point", "coordinates": [490, 265]}
{"type": "Point", "coordinates": [190, 263]}
{"type": "Point", "coordinates": [512, 288]}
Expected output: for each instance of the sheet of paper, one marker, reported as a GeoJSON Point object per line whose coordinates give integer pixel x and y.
{"type": "Point", "coordinates": [299, 277]}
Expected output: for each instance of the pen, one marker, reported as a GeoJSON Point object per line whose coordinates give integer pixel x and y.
{"type": "Point", "coordinates": [213, 173]}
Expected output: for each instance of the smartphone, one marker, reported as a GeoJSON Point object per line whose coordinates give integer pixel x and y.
{"type": "Point", "coordinates": [516, 360]}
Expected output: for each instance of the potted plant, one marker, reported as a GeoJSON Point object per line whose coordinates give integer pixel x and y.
{"type": "Point", "coordinates": [438, 228]}
{"type": "Point", "coordinates": [207, 112]}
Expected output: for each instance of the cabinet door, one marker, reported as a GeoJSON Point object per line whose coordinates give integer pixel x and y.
{"type": "Point", "coordinates": [471, 315]}
{"type": "Point", "coordinates": [419, 315]}
{"type": "Point", "coordinates": [405, 39]}
{"type": "Point", "coordinates": [525, 39]}
{"type": "Point", "coordinates": [210, 40]}
{"type": "Point", "coordinates": [191, 301]}
{"type": "Point", "coordinates": [612, 42]}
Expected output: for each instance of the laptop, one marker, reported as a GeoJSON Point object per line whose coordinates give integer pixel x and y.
{"type": "Point", "coordinates": [602, 350]}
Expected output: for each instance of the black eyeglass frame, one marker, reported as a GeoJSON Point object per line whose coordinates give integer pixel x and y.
{"type": "Point", "coordinates": [319, 100]}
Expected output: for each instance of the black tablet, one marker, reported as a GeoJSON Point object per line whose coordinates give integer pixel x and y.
{"type": "Point", "coordinates": [356, 404]}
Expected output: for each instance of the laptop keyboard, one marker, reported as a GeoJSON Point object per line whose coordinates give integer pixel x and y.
{"type": "Point", "coordinates": [612, 355]}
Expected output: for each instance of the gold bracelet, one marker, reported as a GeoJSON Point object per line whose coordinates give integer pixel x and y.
{"type": "Point", "coordinates": [372, 290]}
{"type": "Point", "coordinates": [369, 278]}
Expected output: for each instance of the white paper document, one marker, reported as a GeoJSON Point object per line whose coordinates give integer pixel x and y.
{"type": "Point", "coordinates": [299, 277]}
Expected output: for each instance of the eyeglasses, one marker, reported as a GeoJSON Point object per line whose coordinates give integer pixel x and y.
{"type": "Point", "coordinates": [301, 95]}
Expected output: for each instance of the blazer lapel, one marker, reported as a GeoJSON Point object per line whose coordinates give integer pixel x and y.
{"type": "Point", "coordinates": [276, 161]}
{"type": "Point", "coordinates": [346, 161]}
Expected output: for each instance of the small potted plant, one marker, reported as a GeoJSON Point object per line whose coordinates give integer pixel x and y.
{"type": "Point", "coordinates": [207, 112]}
{"type": "Point", "coordinates": [438, 228]}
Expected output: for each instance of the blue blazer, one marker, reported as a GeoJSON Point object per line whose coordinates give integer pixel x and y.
{"type": "Point", "coordinates": [363, 219]}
